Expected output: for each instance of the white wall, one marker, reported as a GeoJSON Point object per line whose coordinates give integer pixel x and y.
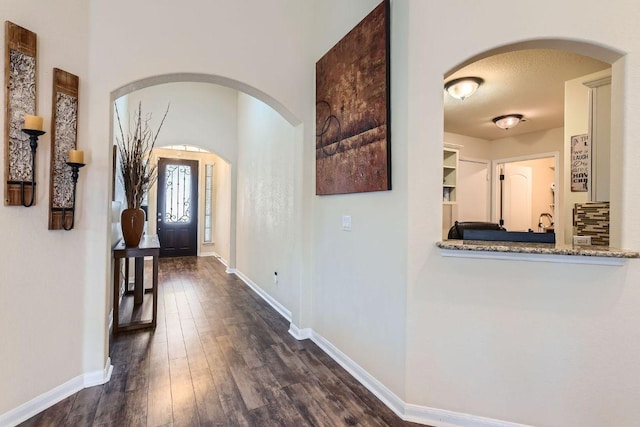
{"type": "Point", "coordinates": [358, 276]}
{"type": "Point", "coordinates": [546, 141]}
{"type": "Point", "coordinates": [43, 291]}
{"type": "Point", "coordinates": [266, 233]}
{"type": "Point", "coordinates": [223, 211]}
{"type": "Point", "coordinates": [200, 114]}
{"type": "Point", "coordinates": [535, 343]}
{"type": "Point", "coordinates": [576, 111]}
{"type": "Point", "coordinates": [472, 148]}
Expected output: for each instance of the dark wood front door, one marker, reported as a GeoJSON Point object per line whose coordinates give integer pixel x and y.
{"type": "Point", "coordinates": [178, 207]}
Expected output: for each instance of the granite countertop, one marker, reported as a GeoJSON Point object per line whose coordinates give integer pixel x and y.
{"type": "Point", "coordinates": [536, 248]}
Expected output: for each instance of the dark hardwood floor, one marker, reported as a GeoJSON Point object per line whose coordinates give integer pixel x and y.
{"type": "Point", "coordinates": [220, 356]}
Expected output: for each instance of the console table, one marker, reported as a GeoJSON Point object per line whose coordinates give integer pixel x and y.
{"type": "Point", "coordinates": [149, 246]}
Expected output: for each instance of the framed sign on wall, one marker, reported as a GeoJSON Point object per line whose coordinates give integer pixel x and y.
{"type": "Point", "coordinates": [580, 163]}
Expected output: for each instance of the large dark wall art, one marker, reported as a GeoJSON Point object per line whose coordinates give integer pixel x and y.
{"type": "Point", "coordinates": [353, 141]}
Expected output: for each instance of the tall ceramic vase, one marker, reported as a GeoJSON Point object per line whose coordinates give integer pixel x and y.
{"type": "Point", "coordinates": [132, 222]}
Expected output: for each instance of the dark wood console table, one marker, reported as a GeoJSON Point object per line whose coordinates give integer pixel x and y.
{"type": "Point", "coordinates": [149, 246]}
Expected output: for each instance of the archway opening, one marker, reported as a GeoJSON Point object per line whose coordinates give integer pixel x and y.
{"type": "Point", "coordinates": [550, 84]}
{"type": "Point", "coordinates": [257, 147]}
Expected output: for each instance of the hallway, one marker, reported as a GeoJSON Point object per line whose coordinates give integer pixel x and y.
{"type": "Point", "coordinates": [220, 356]}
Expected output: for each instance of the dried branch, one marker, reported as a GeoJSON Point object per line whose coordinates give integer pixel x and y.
{"type": "Point", "coordinates": [137, 172]}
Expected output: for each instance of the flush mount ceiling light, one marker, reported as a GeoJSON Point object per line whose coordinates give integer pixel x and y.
{"type": "Point", "coordinates": [508, 121]}
{"type": "Point", "coordinates": [464, 87]}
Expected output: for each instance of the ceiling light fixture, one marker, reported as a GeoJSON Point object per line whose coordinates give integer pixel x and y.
{"type": "Point", "coordinates": [508, 121]}
{"type": "Point", "coordinates": [464, 87]}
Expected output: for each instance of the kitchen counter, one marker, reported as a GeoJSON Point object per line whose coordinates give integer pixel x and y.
{"type": "Point", "coordinates": [536, 252]}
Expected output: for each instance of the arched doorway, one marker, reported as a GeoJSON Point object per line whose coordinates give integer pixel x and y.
{"type": "Point", "coordinates": [248, 129]}
{"type": "Point", "coordinates": [224, 82]}
{"type": "Point", "coordinates": [542, 81]}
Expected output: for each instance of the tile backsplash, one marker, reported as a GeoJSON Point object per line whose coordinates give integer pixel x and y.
{"type": "Point", "coordinates": [592, 219]}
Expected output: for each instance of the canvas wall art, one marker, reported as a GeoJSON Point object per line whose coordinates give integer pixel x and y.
{"type": "Point", "coordinates": [353, 142]}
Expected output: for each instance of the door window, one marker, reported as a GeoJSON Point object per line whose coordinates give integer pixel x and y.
{"type": "Point", "coordinates": [178, 194]}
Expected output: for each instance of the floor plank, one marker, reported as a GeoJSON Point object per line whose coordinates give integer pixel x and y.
{"type": "Point", "coordinates": [219, 356]}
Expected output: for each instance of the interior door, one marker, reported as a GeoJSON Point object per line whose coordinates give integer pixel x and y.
{"type": "Point", "coordinates": [473, 190]}
{"type": "Point", "coordinates": [516, 200]}
{"type": "Point", "coordinates": [178, 207]}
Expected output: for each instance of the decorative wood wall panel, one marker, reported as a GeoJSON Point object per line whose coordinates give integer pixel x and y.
{"type": "Point", "coordinates": [64, 133]}
{"type": "Point", "coordinates": [20, 97]}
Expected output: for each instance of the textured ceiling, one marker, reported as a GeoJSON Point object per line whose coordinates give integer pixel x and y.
{"type": "Point", "coordinates": [528, 82]}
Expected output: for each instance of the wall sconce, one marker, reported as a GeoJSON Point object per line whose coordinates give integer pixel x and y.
{"type": "Point", "coordinates": [76, 161]}
{"type": "Point", "coordinates": [508, 121]}
{"type": "Point", "coordinates": [464, 87]}
{"type": "Point", "coordinates": [33, 128]}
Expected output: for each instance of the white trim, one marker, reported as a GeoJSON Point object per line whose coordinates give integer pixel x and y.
{"type": "Point", "coordinates": [444, 418]}
{"type": "Point", "coordinates": [598, 82]}
{"type": "Point", "coordinates": [231, 270]}
{"type": "Point", "coordinates": [453, 146]}
{"type": "Point", "coordinates": [213, 254]}
{"type": "Point", "coordinates": [563, 259]}
{"type": "Point", "coordinates": [219, 258]}
{"type": "Point", "coordinates": [300, 334]}
{"type": "Point", "coordinates": [265, 296]}
{"type": "Point", "coordinates": [406, 411]}
{"type": "Point", "coordinates": [55, 395]}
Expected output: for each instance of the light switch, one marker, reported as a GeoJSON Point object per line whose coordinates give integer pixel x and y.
{"type": "Point", "coordinates": [346, 222]}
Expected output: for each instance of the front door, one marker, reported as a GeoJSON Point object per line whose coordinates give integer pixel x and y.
{"type": "Point", "coordinates": [178, 207]}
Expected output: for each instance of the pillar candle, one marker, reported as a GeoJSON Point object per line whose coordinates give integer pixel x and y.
{"type": "Point", "coordinates": [33, 122]}
{"type": "Point", "coordinates": [76, 156]}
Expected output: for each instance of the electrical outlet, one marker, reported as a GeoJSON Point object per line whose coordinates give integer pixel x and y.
{"type": "Point", "coordinates": [582, 240]}
{"type": "Point", "coordinates": [275, 277]}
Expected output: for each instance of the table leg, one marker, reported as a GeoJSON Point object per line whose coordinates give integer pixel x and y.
{"type": "Point", "coordinates": [138, 292]}
{"type": "Point", "coordinates": [126, 276]}
{"type": "Point", "coordinates": [116, 294]}
{"type": "Point", "coordinates": [155, 291]}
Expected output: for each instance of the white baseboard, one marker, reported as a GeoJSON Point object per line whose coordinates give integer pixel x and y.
{"type": "Point", "coordinates": [204, 254]}
{"type": "Point", "coordinates": [300, 334]}
{"type": "Point", "coordinates": [55, 395]}
{"type": "Point", "coordinates": [406, 411]}
{"type": "Point", "coordinates": [264, 295]}
{"type": "Point", "coordinates": [217, 256]}
{"type": "Point", "coordinates": [387, 397]}
{"type": "Point", "coordinates": [444, 418]}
